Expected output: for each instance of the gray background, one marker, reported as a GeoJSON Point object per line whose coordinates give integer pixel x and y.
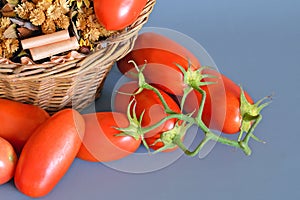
{"type": "Point", "coordinates": [255, 43]}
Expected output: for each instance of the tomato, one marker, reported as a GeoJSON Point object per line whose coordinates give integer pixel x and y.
{"type": "Point", "coordinates": [19, 120]}
{"type": "Point", "coordinates": [101, 143]}
{"type": "Point", "coordinates": [118, 14]}
{"type": "Point", "coordinates": [8, 161]}
{"type": "Point", "coordinates": [49, 153]}
{"type": "Point", "coordinates": [222, 105]}
{"type": "Point", "coordinates": [161, 55]}
{"type": "Point", "coordinates": [148, 103]}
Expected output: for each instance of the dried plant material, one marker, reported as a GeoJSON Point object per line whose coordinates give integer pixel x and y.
{"type": "Point", "coordinates": [80, 3]}
{"type": "Point", "coordinates": [24, 24]}
{"type": "Point", "coordinates": [13, 2]}
{"type": "Point", "coordinates": [85, 43]}
{"type": "Point", "coordinates": [48, 26]}
{"type": "Point", "coordinates": [24, 32]}
{"type": "Point", "coordinates": [37, 17]}
{"type": "Point", "coordinates": [8, 42]}
{"type": "Point", "coordinates": [89, 26]}
{"type": "Point", "coordinates": [24, 9]}
{"type": "Point", "coordinates": [10, 32]}
{"type": "Point", "coordinates": [4, 22]}
{"type": "Point", "coordinates": [46, 17]}
{"type": "Point", "coordinates": [63, 22]}
{"type": "Point", "coordinates": [63, 5]}
{"type": "Point", "coordinates": [8, 10]}
{"type": "Point", "coordinates": [49, 15]}
{"type": "Point", "coordinates": [54, 12]}
{"type": "Point", "coordinates": [9, 47]}
{"type": "Point", "coordinates": [43, 4]}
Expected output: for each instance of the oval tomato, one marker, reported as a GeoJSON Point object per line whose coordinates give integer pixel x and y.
{"type": "Point", "coordinates": [100, 143]}
{"type": "Point", "coordinates": [8, 161]}
{"type": "Point", "coordinates": [148, 103]}
{"type": "Point", "coordinates": [118, 14]}
{"type": "Point", "coordinates": [19, 120]}
{"type": "Point", "coordinates": [49, 153]}
{"type": "Point", "coordinates": [161, 55]}
{"type": "Point", "coordinates": [222, 105]}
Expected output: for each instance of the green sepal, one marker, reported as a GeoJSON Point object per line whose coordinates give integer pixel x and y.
{"type": "Point", "coordinates": [134, 129]}
{"type": "Point", "coordinates": [250, 114]}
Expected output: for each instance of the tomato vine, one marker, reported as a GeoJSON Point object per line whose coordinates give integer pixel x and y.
{"type": "Point", "coordinates": [250, 113]}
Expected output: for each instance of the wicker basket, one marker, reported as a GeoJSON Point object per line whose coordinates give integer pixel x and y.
{"type": "Point", "coordinates": [75, 83]}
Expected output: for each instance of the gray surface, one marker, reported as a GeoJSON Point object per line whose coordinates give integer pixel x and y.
{"type": "Point", "coordinates": [255, 43]}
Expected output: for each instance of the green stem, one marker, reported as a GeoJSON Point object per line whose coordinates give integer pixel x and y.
{"type": "Point", "coordinates": [242, 144]}
{"type": "Point", "coordinates": [171, 116]}
{"type": "Point", "coordinates": [186, 91]}
{"type": "Point", "coordinates": [251, 130]}
{"type": "Point", "coordinates": [199, 114]}
{"type": "Point", "coordinates": [179, 143]}
{"type": "Point", "coordinates": [157, 92]}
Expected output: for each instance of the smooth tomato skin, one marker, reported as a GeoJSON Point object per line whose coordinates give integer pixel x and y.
{"type": "Point", "coordinates": [8, 161]}
{"type": "Point", "coordinates": [100, 143]}
{"type": "Point", "coordinates": [149, 103]}
{"type": "Point", "coordinates": [222, 106]}
{"type": "Point", "coordinates": [118, 14]}
{"type": "Point", "coordinates": [19, 120]}
{"type": "Point", "coordinates": [161, 55]}
{"type": "Point", "coordinates": [49, 152]}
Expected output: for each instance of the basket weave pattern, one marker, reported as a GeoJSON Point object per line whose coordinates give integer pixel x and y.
{"type": "Point", "coordinates": [75, 83]}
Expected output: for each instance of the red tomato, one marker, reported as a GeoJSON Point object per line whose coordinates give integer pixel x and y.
{"type": "Point", "coordinates": [49, 153]}
{"type": "Point", "coordinates": [8, 161]}
{"type": "Point", "coordinates": [18, 121]}
{"type": "Point", "coordinates": [118, 14]}
{"type": "Point", "coordinates": [100, 143]}
{"type": "Point", "coordinates": [148, 102]}
{"type": "Point", "coordinates": [222, 105]}
{"type": "Point", "coordinates": [160, 54]}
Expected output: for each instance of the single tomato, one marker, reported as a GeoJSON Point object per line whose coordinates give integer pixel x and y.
{"type": "Point", "coordinates": [222, 104]}
{"type": "Point", "coordinates": [101, 142]}
{"type": "Point", "coordinates": [49, 153]}
{"type": "Point", "coordinates": [8, 161]}
{"type": "Point", "coordinates": [118, 14]}
{"type": "Point", "coordinates": [147, 105]}
{"type": "Point", "coordinates": [19, 120]}
{"type": "Point", "coordinates": [161, 54]}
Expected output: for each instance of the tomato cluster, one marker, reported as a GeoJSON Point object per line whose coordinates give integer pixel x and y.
{"type": "Point", "coordinates": [166, 96]}
{"type": "Point", "coordinates": [204, 96]}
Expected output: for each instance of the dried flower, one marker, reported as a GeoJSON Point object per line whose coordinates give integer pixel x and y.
{"type": "Point", "coordinates": [64, 6]}
{"type": "Point", "coordinates": [24, 9]}
{"type": "Point", "coordinates": [63, 22]}
{"type": "Point", "coordinates": [37, 17]}
{"type": "Point", "coordinates": [4, 22]}
{"type": "Point", "coordinates": [43, 4]}
{"type": "Point", "coordinates": [9, 46]}
{"type": "Point", "coordinates": [54, 12]}
{"type": "Point", "coordinates": [10, 32]}
{"type": "Point", "coordinates": [48, 26]}
{"type": "Point", "coordinates": [89, 26]}
{"type": "Point", "coordinates": [46, 13]}
{"type": "Point", "coordinates": [80, 3]}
